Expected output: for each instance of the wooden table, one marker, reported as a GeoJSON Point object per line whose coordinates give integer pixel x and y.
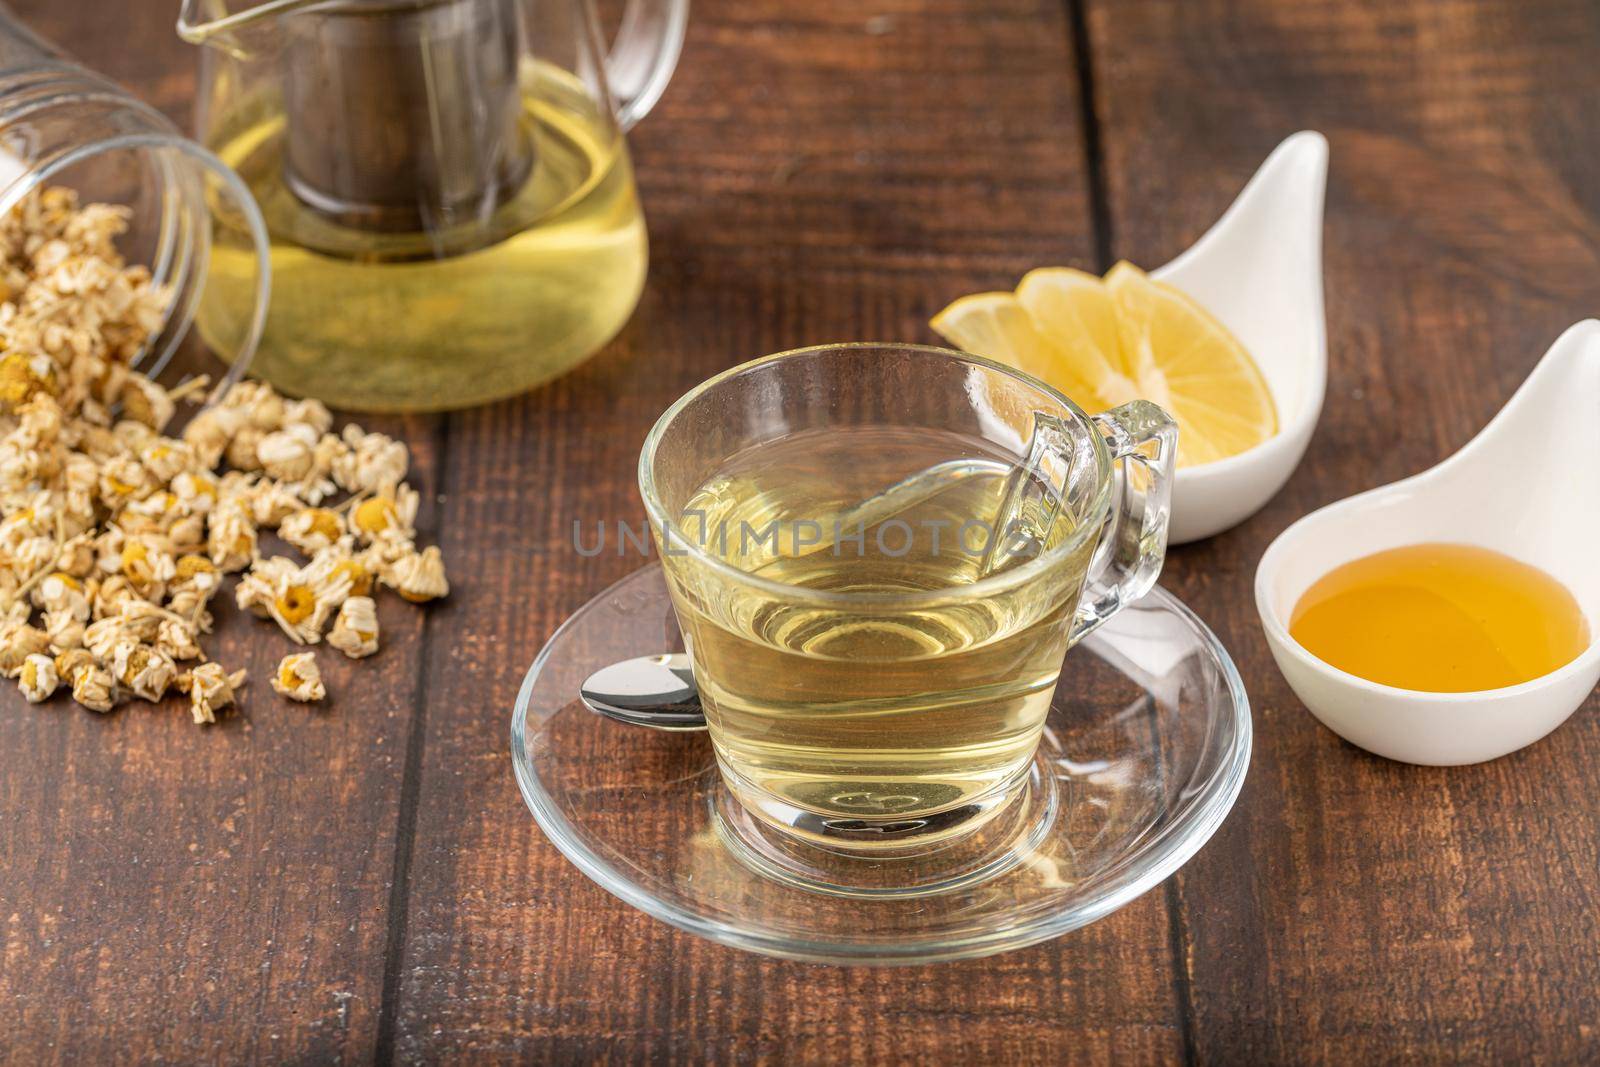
{"type": "Point", "coordinates": [364, 881]}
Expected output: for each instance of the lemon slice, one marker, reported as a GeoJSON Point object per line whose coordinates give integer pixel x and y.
{"type": "Point", "coordinates": [1105, 342]}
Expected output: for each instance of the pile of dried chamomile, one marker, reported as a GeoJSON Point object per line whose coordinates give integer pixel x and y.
{"type": "Point", "coordinates": [114, 537]}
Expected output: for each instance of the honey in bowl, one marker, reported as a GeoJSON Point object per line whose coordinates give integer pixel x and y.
{"type": "Point", "coordinates": [1440, 618]}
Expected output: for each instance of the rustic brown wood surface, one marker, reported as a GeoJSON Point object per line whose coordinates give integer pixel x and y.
{"type": "Point", "coordinates": [363, 882]}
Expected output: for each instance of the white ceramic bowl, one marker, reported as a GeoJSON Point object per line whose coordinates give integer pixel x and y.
{"type": "Point", "coordinates": [1259, 270]}
{"type": "Point", "coordinates": [1526, 486]}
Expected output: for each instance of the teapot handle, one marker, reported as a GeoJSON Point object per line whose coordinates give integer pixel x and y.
{"type": "Point", "coordinates": [643, 56]}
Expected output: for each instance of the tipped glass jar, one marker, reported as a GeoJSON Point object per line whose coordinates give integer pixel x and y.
{"type": "Point", "coordinates": [451, 209]}
{"type": "Point", "coordinates": [64, 125]}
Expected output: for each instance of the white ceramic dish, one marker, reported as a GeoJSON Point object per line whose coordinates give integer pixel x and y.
{"type": "Point", "coordinates": [1259, 270]}
{"type": "Point", "coordinates": [1527, 486]}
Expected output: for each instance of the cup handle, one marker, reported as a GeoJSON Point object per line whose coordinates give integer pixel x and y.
{"type": "Point", "coordinates": [644, 55]}
{"type": "Point", "coordinates": [1143, 441]}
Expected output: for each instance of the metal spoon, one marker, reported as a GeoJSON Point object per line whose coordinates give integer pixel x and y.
{"type": "Point", "coordinates": [656, 691]}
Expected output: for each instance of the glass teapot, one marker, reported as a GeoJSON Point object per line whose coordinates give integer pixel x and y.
{"type": "Point", "coordinates": [445, 183]}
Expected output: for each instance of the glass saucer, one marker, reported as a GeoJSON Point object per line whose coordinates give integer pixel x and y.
{"type": "Point", "coordinates": [1144, 752]}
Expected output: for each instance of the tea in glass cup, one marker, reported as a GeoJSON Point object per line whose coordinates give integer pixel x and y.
{"type": "Point", "coordinates": [878, 555]}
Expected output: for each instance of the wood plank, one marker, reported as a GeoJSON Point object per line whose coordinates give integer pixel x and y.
{"type": "Point", "coordinates": [1354, 909]}
{"type": "Point", "coordinates": [176, 894]}
{"type": "Point", "coordinates": [817, 172]}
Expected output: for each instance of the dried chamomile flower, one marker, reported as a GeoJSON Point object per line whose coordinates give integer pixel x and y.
{"type": "Point", "coordinates": [361, 573]}
{"type": "Point", "coordinates": [154, 512]}
{"type": "Point", "coordinates": [94, 413]}
{"type": "Point", "coordinates": [231, 536]}
{"type": "Point", "coordinates": [147, 567]}
{"type": "Point", "coordinates": [18, 641]}
{"type": "Point", "coordinates": [108, 549]}
{"type": "Point", "coordinates": [194, 571]}
{"type": "Point", "coordinates": [259, 586]}
{"type": "Point", "coordinates": [122, 479]}
{"type": "Point", "coordinates": [179, 639]}
{"type": "Point", "coordinates": [310, 411]}
{"type": "Point", "coordinates": [134, 436]}
{"type": "Point", "coordinates": [80, 476]}
{"type": "Point", "coordinates": [258, 402]}
{"type": "Point", "coordinates": [418, 576]}
{"type": "Point", "coordinates": [61, 592]}
{"type": "Point", "coordinates": [287, 454]}
{"type": "Point", "coordinates": [39, 422]}
{"type": "Point", "coordinates": [210, 689]}
{"type": "Point", "coordinates": [146, 402]}
{"type": "Point", "coordinates": [166, 458]}
{"type": "Point", "coordinates": [104, 634]}
{"type": "Point", "coordinates": [302, 608]}
{"type": "Point", "coordinates": [386, 515]}
{"type": "Point", "coordinates": [355, 631]}
{"type": "Point", "coordinates": [97, 444]}
{"type": "Point", "coordinates": [38, 678]}
{"type": "Point", "coordinates": [211, 432]}
{"type": "Point", "coordinates": [79, 516]}
{"type": "Point", "coordinates": [144, 669]}
{"type": "Point", "coordinates": [186, 535]}
{"type": "Point", "coordinates": [190, 605]}
{"type": "Point", "coordinates": [64, 629]}
{"type": "Point", "coordinates": [33, 556]}
{"type": "Point", "coordinates": [110, 595]}
{"type": "Point", "coordinates": [298, 678]}
{"type": "Point", "coordinates": [298, 599]}
{"type": "Point", "coordinates": [311, 529]}
{"type": "Point", "coordinates": [22, 377]}
{"type": "Point", "coordinates": [237, 486]}
{"type": "Point", "coordinates": [360, 568]}
{"type": "Point", "coordinates": [25, 523]}
{"type": "Point", "coordinates": [241, 450]}
{"type": "Point", "coordinates": [95, 689]}
{"type": "Point", "coordinates": [19, 471]}
{"type": "Point", "coordinates": [72, 662]}
{"type": "Point", "coordinates": [315, 485]}
{"type": "Point", "coordinates": [374, 462]}
{"type": "Point", "coordinates": [158, 520]}
{"type": "Point", "coordinates": [196, 491]}
{"type": "Point", "coordinates": [271, 502]}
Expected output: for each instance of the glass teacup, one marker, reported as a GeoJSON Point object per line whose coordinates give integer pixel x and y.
{"type": "Point", "coordinates": [879, 555]}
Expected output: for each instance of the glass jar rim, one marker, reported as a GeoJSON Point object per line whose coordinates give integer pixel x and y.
{"type": "Point", "coordinates": [992, 585]}
{"type": "Point", "coordinates": [163, 140]}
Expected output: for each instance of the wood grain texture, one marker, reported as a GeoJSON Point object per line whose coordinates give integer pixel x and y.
{"type": "Point", "coordinates": [1354, 909]}
{"type": "Point", "coordinates": [364, 882]}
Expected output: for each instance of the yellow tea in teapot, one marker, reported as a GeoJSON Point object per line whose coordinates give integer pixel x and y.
{"type": "Point", "coordinates": [1440, 618]}
{"type": "Point", "coordinates": [431, 317]}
